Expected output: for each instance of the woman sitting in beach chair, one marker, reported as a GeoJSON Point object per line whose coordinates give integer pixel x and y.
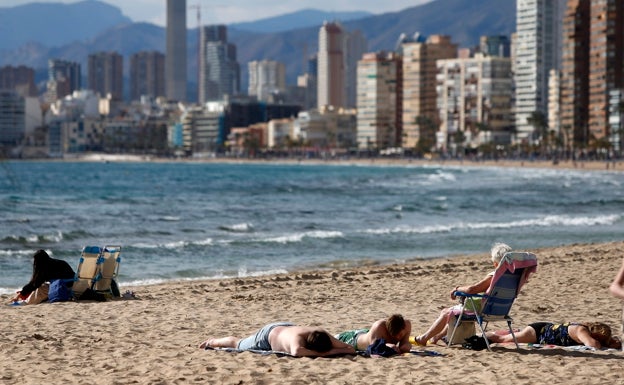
{"type": "Point", "coordinates": [438, 329]}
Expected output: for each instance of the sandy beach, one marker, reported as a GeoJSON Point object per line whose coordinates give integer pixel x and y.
{"type": "Point", "coordinates": [153, 339]}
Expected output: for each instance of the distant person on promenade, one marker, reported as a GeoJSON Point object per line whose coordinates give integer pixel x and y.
{"type": "Point", "coordinates": [438, 329]}
{"type": "Point", "coordinates": [395, 330]}
{"type": "Point", "coordinates": [45, 270]}
{"type": "Point", "coordinates": [593, 334]}
{"type": "Point", "coordinates": [285, 337]}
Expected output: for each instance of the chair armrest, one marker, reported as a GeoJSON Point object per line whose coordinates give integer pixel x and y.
{"type": "Point", "coordinates": [468, 295]}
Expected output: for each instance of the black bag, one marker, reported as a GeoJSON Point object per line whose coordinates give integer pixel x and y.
{"type": "Point", "coordinates": [475, 343]}
{"type": "Point", "coordinates": [92, 295]}
{"type": "Point", "coordinates": [380, 349]}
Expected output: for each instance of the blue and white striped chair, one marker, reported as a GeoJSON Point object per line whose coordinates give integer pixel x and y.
{"type": "Point", "coordinates": [511, 274]}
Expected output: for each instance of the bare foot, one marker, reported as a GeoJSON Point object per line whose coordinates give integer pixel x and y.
{"type": "Point", "coordinates": [225, 342]}
{"type": "Point", "coordinates": [421, 340]}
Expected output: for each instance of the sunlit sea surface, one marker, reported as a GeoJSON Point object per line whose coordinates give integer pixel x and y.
{"type": "Point", "coordinates": [182, 221]}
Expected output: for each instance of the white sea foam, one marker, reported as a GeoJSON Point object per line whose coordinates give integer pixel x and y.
{"type": "Point", "coordinates": [239, 228]}
{"type": "Point", "coordinates": [546, 221]}
{"type": "Point", "coordinates": [298, 237]}
{"type": "Point", "coordinates": [168, 218]}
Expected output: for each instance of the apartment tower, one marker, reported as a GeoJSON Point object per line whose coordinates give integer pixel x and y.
{"type": "Point", "coordinates": [331, 67]}
{"type": "Point", "coordinates": [379, 101]}
{"type": "Point", "coordinates": [219, 71]}
{"type": "Point", "coordinates": [538, 50]}
{"type": "Point", "coordinates": [420, 112]}
{"type": "Point", "coordinates": [64, 77]}
{"type": "Point", "coordinates": [105, 74]}
{"type": "Point", "coordinates": [175, 61]}
{"type": "Point", "coordinates": [147, 74]}
{"type": "Point", "coordinates": [266, 77]}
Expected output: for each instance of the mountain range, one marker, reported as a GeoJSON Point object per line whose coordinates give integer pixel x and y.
{"type": "Point", "coordinates": [93, 26]}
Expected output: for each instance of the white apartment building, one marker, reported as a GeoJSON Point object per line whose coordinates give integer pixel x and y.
{"type": "Point", "coordinates": [474, 97]}
{"type": "Point", "coordinates": [266, 77]}
{"type": "Point", "coordinates": [537, 51]}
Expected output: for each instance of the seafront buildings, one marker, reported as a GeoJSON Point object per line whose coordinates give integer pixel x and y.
{"type": "Point", "coordinates": [555, 87]}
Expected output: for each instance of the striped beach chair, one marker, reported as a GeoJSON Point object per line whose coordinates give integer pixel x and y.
{"type": "Point", "coordinates": [512, 273]}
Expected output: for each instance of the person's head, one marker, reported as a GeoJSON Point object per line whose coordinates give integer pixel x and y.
{"type": "Point", "coordinates": [395, 324]}
{"type": "Point", "coordinates": [319, 341]}
{"type": "Point", "coordinates": [498, 251]}
{"type": "Point", "coordinates": [40, 258]}
{"type": "Point", "coordinates": [600, 332]}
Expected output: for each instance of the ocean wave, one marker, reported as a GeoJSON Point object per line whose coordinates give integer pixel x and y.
{"type": "Point", "coordinates": [238, 228]}
{"type": "Point", "coordinates": [169, 218]}
{"type": "Point", "coordinates": [298, 237]}
{"type": "Point", "coordinates": [34, 238]}
{"type": "Point", "coordinates": [546, 221]}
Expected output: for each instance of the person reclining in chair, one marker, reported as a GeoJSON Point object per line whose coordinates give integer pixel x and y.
{"type": "Point", "coordinates": [438, 329]}
{"type": "Point", "coordinates": [300, 341]}
{"type": "Point", "coordinates": [593, 334]}
{"type": "Point", "coordinates": [395, 330]}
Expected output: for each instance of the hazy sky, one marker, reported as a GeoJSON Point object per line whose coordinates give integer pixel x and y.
{"type": "Point", "coordinates": [229, 11]}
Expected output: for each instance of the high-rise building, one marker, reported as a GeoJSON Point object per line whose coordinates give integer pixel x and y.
{"type": "Point", "coordinates": [219, 71]}
{"type": "Point", "coordinates": [106, 74]}
{"type": "Point", "coordinates": [379, 101]}
{"type": "Point", "coordinates": [64, 77]}
{"type": "Point", "coordinates": [12, 117]}
{"type": "Point", "coordinates": [266, 77]}
{"type": "Point", "coordinates": [498, 45]}
{"type": "Point", "coordinates": [474, 99]}
{"type": "Point", "coordinates": [355, 46]}
{"type": "Point", "coordinates": [538, 50]}
{"type": "Point", "coordinates": [420, 112]}
{"type": "Point", "coordinates": [606, 67]}
{"type": "Point", "coordinates": [175, 59]}
{"type": "Point", "coordinates": [575, 74]}
{"type": "Point", "coordinates": [20, 79]}
{"type": "Point", "coordinates": [147, 74]}
{"type": "Point", "coordinates": [331, 66]}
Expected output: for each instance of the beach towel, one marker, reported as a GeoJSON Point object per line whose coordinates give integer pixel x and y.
{"type": "Point", "coordinates": [427, 353]}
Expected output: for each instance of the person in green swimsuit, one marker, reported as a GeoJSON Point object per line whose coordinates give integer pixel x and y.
{"type": "Point", "coordinates": [395, 330]}
{"type": "Point", "coordinates": [438, 329]}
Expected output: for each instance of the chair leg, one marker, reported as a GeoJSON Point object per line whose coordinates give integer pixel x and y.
{"type": "Point", "coordinates": [487, 343]}
{"type": "Point", "coordinates": [448, 342]}
{"type": "Point", "coordinates": [513, 334]}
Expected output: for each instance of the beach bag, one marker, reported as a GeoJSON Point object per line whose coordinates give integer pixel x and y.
{"type": "Point", "coordinates": [475, 343]}
{"type": "Point", "coordinates": [59, 292]}
{"type": "Point", "coordinates": [379, 349]}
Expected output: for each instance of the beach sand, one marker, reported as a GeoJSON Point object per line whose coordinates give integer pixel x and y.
{"type": "Point", "coordinates": [154, 339]}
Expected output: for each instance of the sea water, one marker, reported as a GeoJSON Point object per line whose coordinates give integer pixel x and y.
{"type": "Point", "coordinates": [187, 220]}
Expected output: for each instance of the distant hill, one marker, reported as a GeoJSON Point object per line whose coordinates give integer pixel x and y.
{"type": "Point", "coordinates": [297, 20]}
{"type": "Point", "coordinates": [55, 24]}
{"type": "Point", "coordinates": [465, 21]}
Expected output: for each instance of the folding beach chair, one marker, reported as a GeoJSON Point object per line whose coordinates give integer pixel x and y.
{"type": "Point", "coordinates": [87, 270]}
{"type": "Point", "coordinates": [108, 269]}
{"type": "Point", "coordinates": [511, 274]}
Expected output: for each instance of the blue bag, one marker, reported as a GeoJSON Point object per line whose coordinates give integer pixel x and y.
{"type": "Point", "coordinates": [59, 292]}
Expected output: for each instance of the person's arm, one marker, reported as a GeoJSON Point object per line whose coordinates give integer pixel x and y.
{"type": "Point", "coordinates": [580, 334]}
{"type": "Point", "coordinates": [405, 345]}
{"type": "Point", "coordinates": [479, 287]}
{"type": "Point", "coordinates": [617, 286]}
{"type": "Point", "coordinates": [338, 347]}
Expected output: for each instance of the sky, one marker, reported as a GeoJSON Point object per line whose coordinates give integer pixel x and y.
{"type": "Point", "coordinates": [231, 11]}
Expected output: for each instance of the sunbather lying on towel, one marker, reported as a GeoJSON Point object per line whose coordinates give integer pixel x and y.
{"type": "Point", "coordinates": [301, 341]}
{"type": "Point", "coordinates": [395, 330]}
{"type": "Point", "coordinates": [593, 334]}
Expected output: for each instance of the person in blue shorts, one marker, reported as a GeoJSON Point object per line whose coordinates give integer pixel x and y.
{"type": "Point", "coordinates": [285, 337]}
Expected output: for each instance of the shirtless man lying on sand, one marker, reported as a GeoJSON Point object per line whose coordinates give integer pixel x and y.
{"type": "Point", "coordinates": [300, 341]}
{"type": "Point", "coordinates": [395, 330]}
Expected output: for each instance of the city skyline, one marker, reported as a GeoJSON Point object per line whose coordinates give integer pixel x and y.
{"type": "Point", "coordinates": [154, 11]}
